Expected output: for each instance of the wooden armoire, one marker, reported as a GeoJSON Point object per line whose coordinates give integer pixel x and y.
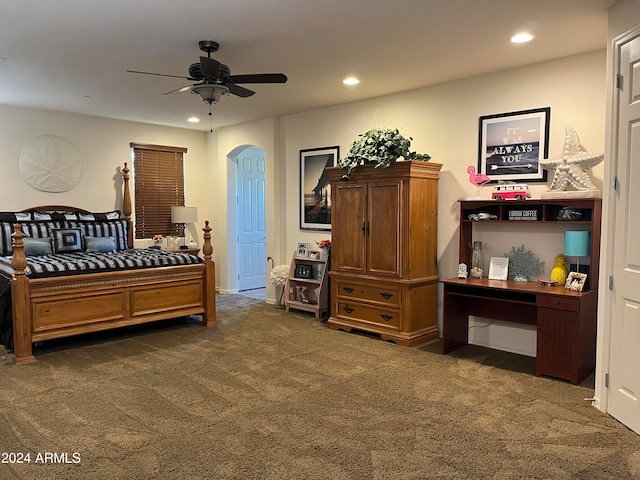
{"type": "Point", "coordinates": [384, 275]}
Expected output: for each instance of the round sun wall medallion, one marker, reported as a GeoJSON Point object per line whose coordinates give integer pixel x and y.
{"type": "Point", "coordinates": [51, 164]}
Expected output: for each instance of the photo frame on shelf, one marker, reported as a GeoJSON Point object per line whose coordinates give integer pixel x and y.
{"type": "Point", "coordinates": [575, 281]}
{"type": "Point", "coordinates": [512, 145]}
{"type": "Point", "coordinates": [315, 191]}
{"type": "Point", "coordinates": [314, 254]}
{"type": "Point", "coordinates": [303, 270]}
{"type": "Point", "coordinates": [302, 250]}
{"type": "Point", "coordinates": [320, 271]}
{"type": "Point", "coordinates": [499, 268]}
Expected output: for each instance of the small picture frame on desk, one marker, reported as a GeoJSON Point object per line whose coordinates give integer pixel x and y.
{"type": "Point", "coordinates": [499, 268]}
{"type": "Point", "coordinates": [575, 281]}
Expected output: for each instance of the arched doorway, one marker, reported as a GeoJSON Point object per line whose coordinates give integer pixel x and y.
{"type": "Point", "coordinates": [250, 218]}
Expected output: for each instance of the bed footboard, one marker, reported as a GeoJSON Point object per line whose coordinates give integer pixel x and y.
{"type": "Point", "coordinates": [47, 308]}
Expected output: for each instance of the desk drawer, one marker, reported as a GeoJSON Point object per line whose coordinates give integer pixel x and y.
{"type": "Point", "coordinates": [363, 313]}
{"type": "Point", "coordinates": [388, 295]}
{"type": "Point", "coordinates": [571, 304]}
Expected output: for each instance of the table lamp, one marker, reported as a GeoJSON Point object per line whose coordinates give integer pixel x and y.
{"type": "Point", "coordinates": [184, 215]}
{"type": "Point", "coordinates": [577, 244]}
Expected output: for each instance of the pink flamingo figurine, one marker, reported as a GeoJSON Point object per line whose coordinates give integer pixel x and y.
{"type": "Point", "coordinates": [477, 179]}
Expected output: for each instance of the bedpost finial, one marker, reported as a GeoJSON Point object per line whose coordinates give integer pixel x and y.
{"type": "Point", "coordinates": [207, 248]}
{"type": "Point", "coordinates": [18, 259]}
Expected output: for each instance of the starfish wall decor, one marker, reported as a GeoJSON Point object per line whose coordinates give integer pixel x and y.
{"type": "Point", "coordinates": [571, 167]}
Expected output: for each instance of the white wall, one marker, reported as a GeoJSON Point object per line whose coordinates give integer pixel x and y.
{"type": "Point", "coordinates": [443, 121]}
{"type": "Point", "coordinates": [104, 147]}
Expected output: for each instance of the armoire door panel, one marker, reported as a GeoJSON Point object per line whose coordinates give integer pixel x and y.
{"type": "Point", "coordinates": [383, 230]}
{"type": "Point", "coordinates": [349, 204]}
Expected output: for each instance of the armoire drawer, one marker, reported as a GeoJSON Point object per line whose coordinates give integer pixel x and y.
{"type": "Point", "coordinates": [388, 295]}
{"type": "Point", "coordinates": [387, 317]}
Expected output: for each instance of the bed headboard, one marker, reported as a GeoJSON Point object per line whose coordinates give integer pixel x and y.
{"type": "Point", "coordinates": [126, 207]}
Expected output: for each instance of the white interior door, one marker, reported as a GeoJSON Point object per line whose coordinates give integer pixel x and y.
{"type": "Point", "coordinates": [251, 219]}
{"type": "Point", "coordinates": [624, 374]}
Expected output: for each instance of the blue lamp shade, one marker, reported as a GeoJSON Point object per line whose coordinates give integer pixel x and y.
{"type": "Point", "coordinates": [577, 243]}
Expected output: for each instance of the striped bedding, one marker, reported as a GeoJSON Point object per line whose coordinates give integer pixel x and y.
{"type": "Point", "coordinates": [84, 262]}
{"type": "Point", "coordinates": [77, 263]}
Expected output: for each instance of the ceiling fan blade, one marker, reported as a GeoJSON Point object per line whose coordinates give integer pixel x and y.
{"type": "Point", "coordinates": [238, 90]}
{"type": "Point", "coordinates": [210, 67]}
{"type": "Point", "coordinates": [178, 90]}
{"type": "Point", "coordinates": [161, 75]}
{"type": "Point", "coordinates": [259, 78]}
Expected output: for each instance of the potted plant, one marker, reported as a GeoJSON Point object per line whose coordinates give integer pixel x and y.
{"type": "Point", "coordinates": [380, 146]}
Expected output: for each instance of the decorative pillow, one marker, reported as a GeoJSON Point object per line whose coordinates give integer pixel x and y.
{"type": "Point", "coordinates": [90, 217]}
{"type": "Point", "coordinates": [7, 216]}
{"type": "Point", "coordinates": [115, 215]}
{"type": "Point", "coordinates": [100, 244]}
{"type": "Point", "coordinates": [116, 229]}
{"type": "Point", "coordinates": [66, 240]}
{"type": "Point", "coordinates": [23, 217]}
{"type": "Point", "coordinates": [86, 216]}
{"type": "Point", "coordinates": [34, 247]}
{"type": "Point", "coordinates": [38, 229]}
{"type": "Point", "coordinates": [40, 216]}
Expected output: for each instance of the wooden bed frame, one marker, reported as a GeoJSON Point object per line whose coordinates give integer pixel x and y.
{"type": "Point", "coordinates": [47, 308]}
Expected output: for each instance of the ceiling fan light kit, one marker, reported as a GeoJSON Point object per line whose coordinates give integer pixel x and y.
{"type": "Point", "coordinates": [215, 79]}
{"type": "Point", "coordinates": [210, 93]}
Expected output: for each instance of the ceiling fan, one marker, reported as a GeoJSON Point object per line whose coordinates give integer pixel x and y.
{"type": "Point", "coordinates": [215, 79]}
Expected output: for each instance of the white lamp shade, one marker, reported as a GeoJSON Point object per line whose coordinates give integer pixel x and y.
{"type": "Point", "coordinates": [184, 214]}
{"type": "Point", "coordinates": [577, 243]}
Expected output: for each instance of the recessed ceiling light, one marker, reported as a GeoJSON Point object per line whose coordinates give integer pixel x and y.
{"type": "Point", "coordinates": [193, 119]}
{"type": "Point", "coordinates": [522, 38]}
{"type": "Point", "coordinates": [351, 81]}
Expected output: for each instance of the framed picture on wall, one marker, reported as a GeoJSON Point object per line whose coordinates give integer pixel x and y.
{"type": "Point", "coordinates": [512, 145]}
{"type": "Point", "coordinates": [315, 192]}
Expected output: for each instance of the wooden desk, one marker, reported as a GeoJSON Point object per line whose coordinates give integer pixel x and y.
{"type": "Point", "coordinates": [565, 320]}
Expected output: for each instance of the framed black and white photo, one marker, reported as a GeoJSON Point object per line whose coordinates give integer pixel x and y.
{"type": "Point", "coordinates": [512, 145]}
{"type": "Point", "coordinates": [302, 250]}
{"type": "Point", "coordinates": [315, 192]}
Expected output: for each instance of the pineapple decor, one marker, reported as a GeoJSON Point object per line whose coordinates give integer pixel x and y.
{"type": "Point", "coordinates": [559, 271]}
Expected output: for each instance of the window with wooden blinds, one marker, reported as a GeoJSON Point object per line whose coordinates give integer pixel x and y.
{"type": "Point", "coordinates": [158, 173]}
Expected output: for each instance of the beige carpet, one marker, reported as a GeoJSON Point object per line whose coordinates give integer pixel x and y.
{"type": "Point", "coordinates": [271, 395]}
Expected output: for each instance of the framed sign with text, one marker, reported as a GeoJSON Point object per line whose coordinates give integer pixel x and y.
{"type": "Point", "coordinates": [512, 145]}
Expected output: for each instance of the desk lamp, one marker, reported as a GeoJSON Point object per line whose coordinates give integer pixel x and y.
{"type": "Point", "coordinates": [577, 244]}
{"type": "Point", "coordinates": [184, 215]}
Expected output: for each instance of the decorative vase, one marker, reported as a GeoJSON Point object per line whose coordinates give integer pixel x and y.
{"type": "Point", "coordinates": [476, 261]}
{"type": "Point", "coordinates": [559, 271]}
